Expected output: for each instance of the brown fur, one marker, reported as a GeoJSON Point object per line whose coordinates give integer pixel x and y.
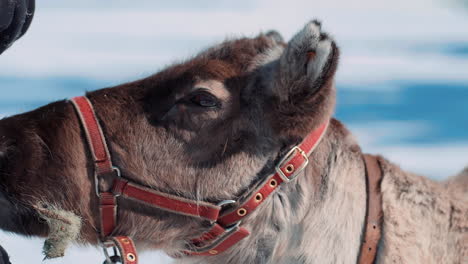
{"type": "Point", "coordinates": [270, 94]}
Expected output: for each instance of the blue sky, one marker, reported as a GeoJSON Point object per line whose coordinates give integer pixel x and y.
{"type": "Point", "coordinates": [119, 42]}
{"type": "Point", "coordinates": [402, 81]}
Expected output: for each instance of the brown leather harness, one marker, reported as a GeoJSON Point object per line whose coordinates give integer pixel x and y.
{"type": "Point", "coordinates": [374, 213]}
{"type": "Point", "coordinates": [226, 230]}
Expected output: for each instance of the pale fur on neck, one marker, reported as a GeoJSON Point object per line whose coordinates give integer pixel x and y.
{"type": "Point", "coordinates": [424, 221]}
{"type": "Point", "coordinates": [317, 218]}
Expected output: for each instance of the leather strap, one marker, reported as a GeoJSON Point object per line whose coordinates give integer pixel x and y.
{"type": "Point", "coordinates": [103, 167]}
{"type": "Point", "coordinates": [94, 135]}
{"type": "Point", "coordinates": [216, 231]}
{"type": "Point", "coordinates": [108, 211]}
{"type": "Point", "coordinates": [102, 162]}
{"type": "Point", "coordinates": [126, 249]}
{"type": "Point", "coordinates": [374, 214]}
{"type": "Point", "coordinates": [288, 169]}
{"type": "Point", "coordinates": [168, 202]}
{"type": "Point", "coordinates": [217, 240]}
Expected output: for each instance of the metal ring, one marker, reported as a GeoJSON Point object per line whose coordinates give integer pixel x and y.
{"type": "Point", "coordinates": [225, 202]}
{"type": "Point", "coordinates": [117, 170]}
{"type": "Point", "coordinates": [241, 212]}
{"type": "Point", "coordinates": [273, 183]}
{"type": "Point", "coordinates": [131, 257]}
{"type": "Point", "coordinates": [96, 180]}
{"type": "Point", "coordinates": [258, 197]}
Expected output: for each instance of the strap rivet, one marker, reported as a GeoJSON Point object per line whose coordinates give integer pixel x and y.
{"type": "Point", "coordinates": [258, 197]}
{"type": "Point", "coordinates": [241, 212]}
{"type": "Point", "coordinates": [125, 241]}
{"type": "Point", "coordinates": [289, 168]}
{"type": "Point", "coordinates": [213, 252]}
{"type": "Point", "coordinates": [131, 257]}
{"type": "Point", "coordinates": [273, 183]}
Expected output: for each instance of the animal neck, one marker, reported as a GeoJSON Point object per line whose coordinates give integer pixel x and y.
{"type": "Point", "coordinates": [318, 218]}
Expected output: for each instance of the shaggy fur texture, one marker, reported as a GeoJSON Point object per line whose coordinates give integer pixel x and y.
{"type": "Point", "coordinates": [210, 128]}
{"type": "Point", "coordinates": [424, 222]}
{"type": "Point", "coordinates": [64, 228]}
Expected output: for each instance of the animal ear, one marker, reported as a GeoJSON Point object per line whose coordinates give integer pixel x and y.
{"type": "Point", "coordinates": [302, 81]}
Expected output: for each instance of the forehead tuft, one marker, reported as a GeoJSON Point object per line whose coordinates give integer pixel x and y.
{"type": "Point", "coordinates": [228, 59]}
{"type": "Point", "coordinates": [206, 69]}
{"type": "Point", "coordinates": [238, 53]}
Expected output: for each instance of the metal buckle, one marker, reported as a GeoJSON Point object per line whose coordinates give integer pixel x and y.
{"type": "Point", "coordinates": [225, 202]}
{"type": "Point", "coordinates": [96, 180]}
{"type": "Point", "coordinates": [116, 258]}
{"type": "Point", "coordinates": [298, 170]}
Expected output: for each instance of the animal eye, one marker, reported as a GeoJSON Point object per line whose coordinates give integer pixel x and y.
{"type": "Point", "coordinates": [204, 99]}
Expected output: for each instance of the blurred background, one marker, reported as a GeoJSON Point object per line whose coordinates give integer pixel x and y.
{"type": "Point", "coordinates": [402, 81]}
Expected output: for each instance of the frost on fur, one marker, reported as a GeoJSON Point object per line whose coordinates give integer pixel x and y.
{"type": "Point", "coordinates": [64, 228]}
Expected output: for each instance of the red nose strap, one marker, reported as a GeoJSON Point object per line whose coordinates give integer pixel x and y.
{"type": "Point", "coordinates": [225, 231]}
{"type": "Point", "coordinates": [168, 202]}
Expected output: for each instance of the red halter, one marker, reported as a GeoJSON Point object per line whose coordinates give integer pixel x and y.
{"type": "Point", "coordinates": [226, 230]}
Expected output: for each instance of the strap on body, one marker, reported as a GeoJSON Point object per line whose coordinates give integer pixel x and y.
{"type": "Point", "coordinates": [373, 225]}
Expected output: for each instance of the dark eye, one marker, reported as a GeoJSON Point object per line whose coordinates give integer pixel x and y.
{"type": "Point", "coordinates": [204, 99]}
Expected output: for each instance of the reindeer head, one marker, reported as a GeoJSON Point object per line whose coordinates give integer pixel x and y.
{"type": "Point", "coordinates": [203, 129]}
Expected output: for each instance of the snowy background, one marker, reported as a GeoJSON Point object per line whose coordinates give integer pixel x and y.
{"type": "Point", "coordinates": [402, 81]}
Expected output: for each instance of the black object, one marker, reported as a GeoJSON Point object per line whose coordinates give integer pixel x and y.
{"type": "Point", "coordinates": [15, 18]}
{"type": "Point", "coordinates": [4, 259]}
{"type": "Point", "coordinates": [113, 259]}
